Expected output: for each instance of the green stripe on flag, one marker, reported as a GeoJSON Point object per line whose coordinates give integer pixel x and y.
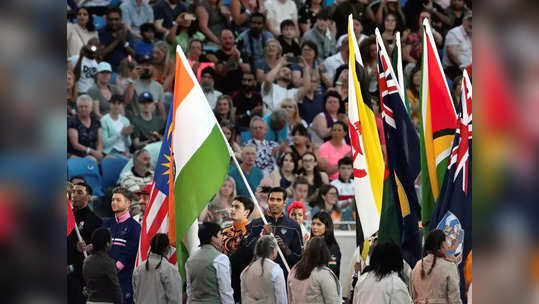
{"type": "Point", "coordinates": [389, 219]}
{"type": "Point", "coordinates": [197, 183]}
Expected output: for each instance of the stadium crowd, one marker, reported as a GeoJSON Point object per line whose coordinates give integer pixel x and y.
{"type": "Point", "coordinates": [275, 73]}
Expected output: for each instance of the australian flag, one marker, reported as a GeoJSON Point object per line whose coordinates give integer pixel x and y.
{"type": "Point", "coordinates": [403, 164]}
{"type": "Point", "coordinates": [453, 211]}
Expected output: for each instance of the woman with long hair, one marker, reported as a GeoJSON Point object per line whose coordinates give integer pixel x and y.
{"type": "Point", "coordinates": [327, 201]}
{"type": "Point", "coordinates": [311, 280]}
{"type": "Point", "coordinates": [285, 174]}
{"type": "Point", "coordinates": [102, 91]}
{"type": "Point", "coordinates": [435, 279]}
{"type": "Point", "coordinates": [218, 209]}
{"type": "Point", "coordinates": [272, 54]}
{"type": "Point", "coordinates": [156, 280]}
{"type": "Point", "coordinates": [300, 143]}
{"type": "Point", "coordinates": [340, 84]}
{"type": "Point", "coordinates": [262, 273]}
{"type": "Point", "coordinates": [230, 134]}
{"type": "Point", "coordinates": [80, 32]}
{"type": "Point", "coordinates": [294, 120]}
{"type": "Point", "coordinates": [99, 271]}
{"type": "Point", "coordinates": [312, 173]}
{"type": "Point", "coordinates": [389, 30]}
{"type": "Point", "coordinates": [381, 283]}
{"type": "Point", "coordinates": [369, 54]}
{"type": "Point", "coordinates": [322, 226]}
{"type": "Point", "coordinates": [71, 92]}
{"type": "Point", "coordinates": [413, 85]}
{"type": "Point", "coordinates": [224, 110]}
{"type": "Point", "coordinates": [323, 122]}
{"type": "Point", "coordinates": [163, 67]}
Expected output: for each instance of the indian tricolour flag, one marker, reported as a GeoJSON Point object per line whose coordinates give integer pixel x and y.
{"type": "Point", "coordinates": [200, 159]}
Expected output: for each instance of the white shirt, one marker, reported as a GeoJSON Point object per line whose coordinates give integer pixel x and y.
{"type": "Point", "coordinates": [332, 63]}
{"type": "Point", "coordinates": [390, 289]}
{"type": "Point", "coordinates": [277, 94]}
{"type": "Point", "coordinates": [277, 278]}
{"type": "Point", "coordinates": [344, 189]}
{"type": "Point", "coordinates": [211, 97]}
{"type": "Point", "coordinates": [277, 12]}
{"type": "Point", "coordinates": [458, 36]}
{"type": "Point", "coordinates": [88, 70]}
{"type": "Point", "coordinates": [118, 126]}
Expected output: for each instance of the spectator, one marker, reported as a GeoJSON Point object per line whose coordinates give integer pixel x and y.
{"type": "Point", "coordinates": [197, 59]}
{"type": "Point", "coordinates": [80, 32]}
{"type": "Point", "coordinates": [84, 132]}
{"type": "Point", "coordinates": [145, 83]}
{"type": "Point", "coordinates": [458, 48]}
{"type": "Point", "coordinates": [228, 66]}
{"type": "Point", "coordinates": [145, 44]}
{"type": "Point", "coordinates": [266, 150]}
{"type": "Point", "coordinates": [125, 237]}
{"type": "Point", "coordinates": [95, 7]}
{"type": "Point", "coordinates": [307, 14]}
{"type": "Point", "coordinates": [314, 176]}
{"type": "Point", "coordinates": [322, 226]}
{"type": "Point", "coordinates": [252, 173]}
{"type": "Point", "coordinates": [165, 13]}
{"type": "Point", "coordinates": [264, 281]}
{"type": "Point", "coordinates": [274, 93]}
{"type": "Point", "coordinates": [455, 13]}
{"type": "Point", "coordinates": [327, 201]}
{"type": "Point", "coordinates": [71, 90]}
{"type": "Point", "coordinates": [383, 284]}
{"type": "Point", "coordinates": [272, 53]}
{"type": "Point", "coordinates": [285, 174]}
{"type": "Point", "coordinates": [312, 102]}
{"type": "Point", "coordinates": [336, 148]}
{"type": "Point", "coordinates": [341, 12]}
{"type": "Point", "coordinates": [456, 92]}
{"type": "Point", "coordinates": [100, 272]}
{"type": "Point", "coordinates": [286, 231]}
{"type": "Point", "coordinates": [212, 19]}
{"type": "Point", "coordinates": [87, 222]}
{"type": "Point", "coordinates": [412, 92]}
{"type": "Point", "coordinates": [411, 48]}
{"type": "Point", "coordinates": [439, 14]}
{"type": "Point", "coordinates": [358, 29]}
{"type": "Point", "coordinates": [230, 135]}
{"type": "Point", "coordinates": [377, 10]}
{"type": "Point", "coordinates": [135, 13]}
{"type": "Point", "coordinates": [160, 284]}
{"type": "Point", "coordinates": [247, 101]}
{"type": "Point", "coordinates": [389, 30]}
{"type": "Point", "coordinates": [277, 123]}
{"type": "Point", "coordinates": [224, 110]}
{"type": "Point", "coordinates": [163, 66]}
{"type": "Point", "coordinates": [207, 81]}
{"type": "Point", "coordinates": [434, 278]}
{"type": "Point", "coordinates": [208, 270]}
{"type": "Point", "coordinates": [332, 63]}
{"type": "Point", "coordinates": [321, 34]}
{"type": "Point", "coordinates": [218, 209]}
{"type": "Point", "coordinates": [345, 183]}
{"type": "Point", "coordinates": [294, 119]}
{"type": "Point", "coordinates": [253, 40]}
{"type": "Point", "coordinates": [277, 12]}
{"type": "Point", "coordinates": [288, 39]}
{"type": "Point", "coordinates": [300, 188]}
{"type": "Point", "coordinates": [85, 65]}
{"type": "Point", "coordinates": [116, 41]}
{"type": "Point", "coordinates": [141, 173]}
{"type": "Point", "coordinates": [311, 281]}
{"type": "Point", "coordinates": [323, 122]}
{"type": "Point", "coordinates": [116, 130]}
{"type": "Point", "coordinates": [138, 208]}
{"type": "Point", "coordinates": [182, 32]}
{"type": "Point", "coordinates": [340, 84]}
{"type": "Point", "coordinates": [261, 195]}
{"type": "Point", "coordinates": [102, 91]}
{"type": "Point", "coordinates": [308, 58]}
{"type": "Point", "coordinates": [125, 78]}
{"type": "Point", "coordinates": [242, 10]}
{"type": "Point", "coordinates": [300, 142]}
{"type": "Point", "coordinates": [296, 211]}
{"type": "Point", "coordinates": [241, 209]}
{"type": "Point", "coordinates": [149, 128]}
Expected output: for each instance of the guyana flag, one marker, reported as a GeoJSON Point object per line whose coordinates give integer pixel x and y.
{"type": "Point", "coordinates": [438, 122]}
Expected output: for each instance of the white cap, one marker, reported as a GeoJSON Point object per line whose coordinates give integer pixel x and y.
{"type": "Point", "coordinates": [104, 67]}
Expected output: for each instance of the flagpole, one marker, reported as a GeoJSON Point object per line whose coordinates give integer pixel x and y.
{"type": "Point", "coordinates": [80, 239]}
{"type": "Point", "coordinates": [253, 197]}
{"type": "Point", "coordinates": [400, 74]}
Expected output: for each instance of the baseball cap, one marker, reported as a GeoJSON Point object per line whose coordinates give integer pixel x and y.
{"type": "Point", "coordinates": [145, 96]}
{"type": "Point", "coordinates": [146, 190]}
{"type": "Point", "coordinates": [104, 67]}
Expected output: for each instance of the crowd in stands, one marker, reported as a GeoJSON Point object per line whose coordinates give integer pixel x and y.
{"type": "Point", "coordinates": [275, 73]}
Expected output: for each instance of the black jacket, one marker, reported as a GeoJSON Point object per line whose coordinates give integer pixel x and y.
{"type": "Point", "coordinates": [87, 222]}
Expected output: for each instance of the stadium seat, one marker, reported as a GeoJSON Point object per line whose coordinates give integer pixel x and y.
{"type": "Point", "coordinates": [99, 22]}
{"type": "Point", "coordinates": [110, 169]}
{"type": "Point", "coordinates": [87, 169]}
{"type": "Point", "coordinates": [245, 136]}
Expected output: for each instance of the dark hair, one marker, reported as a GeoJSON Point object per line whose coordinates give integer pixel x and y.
{"type": "Point", "coordinates": [159, 245]}
{"type": "Point", "coordinates": [113, 9]}
{"type": "Point", "coordinates": [294, 160]}
{"type": "Point", "coordinates": [341, 68]}
{"type": "Point", "coordinates": [301, 130]}
{"type": "Point", "coordinates": [247, 203]}
{"type": "Point", "coordinates": [386, 258]}
{"type": "Point", "coordinates": [345, 161]}
{"type": "Point", "coordinates": [208, 70]}
{"type": "Point", "coordinates": [90, 26]}
{"type": "Point", "coordinates": [195, 40]}
{"type": "Point", "coordinates": [364, 48]}
{"type": "Point", "coordinates": [316, 254]}
{"type": "Point", "coordinates": [278, 189]}
{"type": "Point", "coordinates": [264, 248]}
{"type": "Point", "coordinates": [300, 180]}
{"type": "Point", "coordinates": [317, 180]}
{"type": "Point", "coordinates": [310, 44]}
{"type": "Point", "coordinates": [410, 83]}
{"type": "Point", "coordinates": [397, 23]}
{"type": "Point", "coordinates": [86, 186]}
{"type": "Point", "coordinates": [332, 93]}
{"type": "Point", "coordinates": [287, 22]}
{"type": "Point", "coordinates": [257, 14]}
{"type": "Point", "coordinates": [247, 73]}
{"type": "Point", "coordinates": [433, 244]}
{"type": "Point", "coordinates": [329, 234]}
{"type": "Point", "coordinates": [324, 189]}
{"type": "Point", "coordinates": [123, 191]}
{"type": "Point", "coordinates": [100, 238]}
{"type": "Point", "coordinates": [206, 231]}
{"type": "Point", "coordinates": [146, 27]}
{"type": "Point", "coordinates": [228, 124]}
{"type": "Point", "coordinates": [116, 98]}
{"type": "Point", "coordinates": [344, 126]}
{"type": "Point", "coordinates": [324, 14]}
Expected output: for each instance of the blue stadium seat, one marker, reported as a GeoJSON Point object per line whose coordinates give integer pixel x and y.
{"type": "Point", "coordinates": [111, 168]}
{"type": "Point", "coordinates": [245, 136]}
{"type": "Point", "coordinates": [87, 169]}
{"type": "Point", "coordinates": [115, 2]}
{"type": "Point", "coordinates": [99, 22]}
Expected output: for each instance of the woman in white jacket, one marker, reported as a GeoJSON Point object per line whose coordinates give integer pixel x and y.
{"type": "Point", "coordinates": [381, 282]}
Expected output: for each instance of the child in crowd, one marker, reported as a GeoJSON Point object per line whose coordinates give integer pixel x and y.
{"type": "Point", "coordinates": [145, 46]}
{"type": "Point", "coordinates": [345, 188]}
{"type": "Point", "coordinates": [296, 211]}
{"type": "Point", "coordinates": [287, 39]}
